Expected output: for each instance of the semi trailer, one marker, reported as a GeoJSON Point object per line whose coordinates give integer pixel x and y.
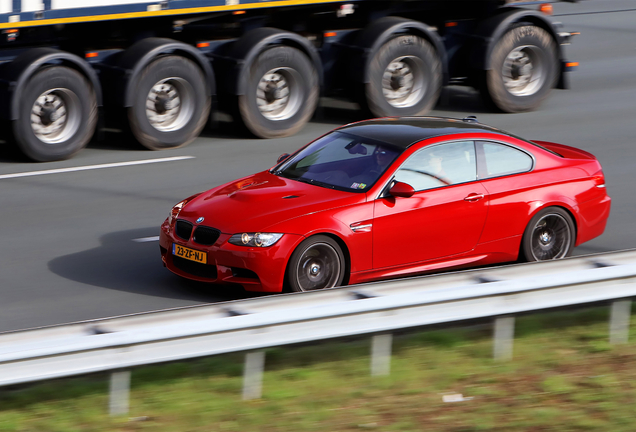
{"type": "Point", "coordinates": [160, 69]}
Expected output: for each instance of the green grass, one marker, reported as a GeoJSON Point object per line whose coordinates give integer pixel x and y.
{"type": "Point", "coordinates": [564, 376]}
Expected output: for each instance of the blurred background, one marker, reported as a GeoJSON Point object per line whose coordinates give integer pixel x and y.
{"type": "Point", "coordinates": [82, 245]}
{"type": "Point", "coordinates": [79, 245]}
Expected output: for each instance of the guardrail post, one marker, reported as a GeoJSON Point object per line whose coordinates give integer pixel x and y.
{"type": "Point", "coordinates": [619, 321]}
{"type": "Point", "coordinates": [503, 337]}
{"type": "Point", "coordinates": [381, 354]}
{"type": "Point", "coordinates": [119, 392]}
{"type": "Point", "coordinates": [253, 375]}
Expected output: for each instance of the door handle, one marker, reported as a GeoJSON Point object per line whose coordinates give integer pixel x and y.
{"type": "Point", "coordinates": [474, 197]}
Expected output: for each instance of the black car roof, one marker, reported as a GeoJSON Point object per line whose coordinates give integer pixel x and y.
{"type": "Point", "coordinates": [404, 131]}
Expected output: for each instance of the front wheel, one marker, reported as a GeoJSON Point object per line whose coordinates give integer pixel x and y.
{"type": "Point", "coordinates": [550, 235]}
{"type": "Point", "coordinates": [57, 115]}
{"type": "Point", "coordinates": [317, 263]}
{"type": "Point", "coordinates": [523, 69]}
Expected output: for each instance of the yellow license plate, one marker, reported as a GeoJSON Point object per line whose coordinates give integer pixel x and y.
{"type": "Point", "coordinates": [189, 254]}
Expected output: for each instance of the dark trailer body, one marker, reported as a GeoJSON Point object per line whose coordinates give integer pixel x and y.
{"type": "Point", "coordinates": [159, 69]}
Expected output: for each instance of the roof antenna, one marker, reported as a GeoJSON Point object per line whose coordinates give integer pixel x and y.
{"type": "Point", "coordinates": [470, 119]}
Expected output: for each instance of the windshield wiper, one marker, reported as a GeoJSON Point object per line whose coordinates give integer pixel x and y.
{"type": "Point", "coordinates": [323, 184]}
{"type": "Point", "coordinates": [313, 182]}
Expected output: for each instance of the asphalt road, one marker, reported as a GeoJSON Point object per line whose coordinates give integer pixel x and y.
{"type": "Point", "coordinates": [67, 238]}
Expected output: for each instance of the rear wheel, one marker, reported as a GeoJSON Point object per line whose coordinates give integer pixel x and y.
{"type": "Point", "coordinates": [523, 69]}
{"type": "Point", "coordinates": [317, 263]}
{"type": "Point", "coordinates": [281, 93]}
{"type": "Point", "coordinates": [171, 105]}
{"type": "Point", "coordinates": [57, 115]}
{"type": "Point", "coordinates": [550, 235]}
{"type": "Point", "coordinates": [405, 78]}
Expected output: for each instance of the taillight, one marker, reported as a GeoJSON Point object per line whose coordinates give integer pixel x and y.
{"type": "Point", "coordinates": [599, 179]}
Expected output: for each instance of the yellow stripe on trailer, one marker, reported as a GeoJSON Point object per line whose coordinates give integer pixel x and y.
{"type": "Point", "coordinates": [167, 12]}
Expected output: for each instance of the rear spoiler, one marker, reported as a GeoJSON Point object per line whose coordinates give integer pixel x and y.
{"type": "Point", "coordinates": [566, 151]}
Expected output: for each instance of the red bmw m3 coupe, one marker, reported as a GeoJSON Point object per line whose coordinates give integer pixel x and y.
{"type": "Point", "coordinates": [387, 198]}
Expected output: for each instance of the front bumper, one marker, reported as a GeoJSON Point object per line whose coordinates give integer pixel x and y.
{"type": "Point", "coordinates": [255, 269]}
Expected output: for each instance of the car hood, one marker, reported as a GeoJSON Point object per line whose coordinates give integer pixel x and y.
{"type": "Point", "coordinates": [257, 202]}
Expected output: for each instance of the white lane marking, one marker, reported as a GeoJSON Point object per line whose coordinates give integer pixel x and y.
{"type": "Point", "coordinates": [92, 167]}
{"type": "Point", "coordinates": [146, 239]}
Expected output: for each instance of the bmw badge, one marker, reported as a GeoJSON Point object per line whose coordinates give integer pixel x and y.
{"type": "Point", "coordinates": [201, 219]}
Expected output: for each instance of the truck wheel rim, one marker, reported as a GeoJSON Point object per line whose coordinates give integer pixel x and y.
{"type": "Point", "coordinates": [551, 238]}
{"type": "Point", "coordinates": [404, 82]}
{"type": "Point", "coordinates": [55, 115]}
{"type": "Point", "coordinates": [170, 104]}
{"type": "Point", "coordinates": [318, 267]}
{"type": "Point", "coordinates": [279, 95]}
{"type": "Point", "coordinates": [524, 70]}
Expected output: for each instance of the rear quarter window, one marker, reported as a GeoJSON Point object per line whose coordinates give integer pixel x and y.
{"type": "Point", "coordinates": [500, 159]}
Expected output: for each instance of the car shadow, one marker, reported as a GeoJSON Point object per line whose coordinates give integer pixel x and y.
{"type": "Point", "coordinates": [122, 264]}
{"type": "Point", "coordinates": [114, 139]}
{"type": "Point", "coordinates": [10, 154]}
{"type": "Point", "coordinates": [223, 126]}
{"type": "Point", "coordinates": [462, 99]}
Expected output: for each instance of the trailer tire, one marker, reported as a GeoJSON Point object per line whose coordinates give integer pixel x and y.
{"type": "Point", "coordinates": [404, 78]}
{"type": "Point", "coordinates": [523, 69]}
{"type": "Point", "coordinates": [281, 93]}
{"type": "Point", "coordinates": [57, 115]}
{"type": "Point", "coordinates": [171, 105]}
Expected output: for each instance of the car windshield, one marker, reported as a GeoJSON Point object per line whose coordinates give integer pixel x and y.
{"type": "Point", "coordinates": [340, 161]}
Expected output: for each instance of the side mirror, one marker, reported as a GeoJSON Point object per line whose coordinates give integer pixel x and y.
{"type": "Point", "coordinates": [282, 157]}
{"type": "Point", "coordinates": [402, 190]}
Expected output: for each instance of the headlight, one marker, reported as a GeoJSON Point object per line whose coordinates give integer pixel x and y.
{"type": "Point", "coordinates": [174, 213]}
{"type": "Point", "coordinates": [255, 239]}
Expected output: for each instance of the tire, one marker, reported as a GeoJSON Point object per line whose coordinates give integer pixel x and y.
{"type": "Point", "coordinates": [281, 93]}
{"type": "Point", "coordinates": [57, 115]}
{"type": "Point", "coordinates": [317, 263]}
{"type": "Point", "coordinates": [524, 68]}
{"type": "Point", "coordinates": [550, 235]}
{"type": "Point", "coordinates": [171, 104]}
{"type": "Point", "coordinates": [405, 78]}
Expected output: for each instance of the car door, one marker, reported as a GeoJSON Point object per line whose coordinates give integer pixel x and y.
{"type": "Point", "coordinates": [506, 173]}
{"type": "Point", "coordinates": [444, 217]}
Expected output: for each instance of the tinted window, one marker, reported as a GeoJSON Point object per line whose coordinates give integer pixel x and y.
{"type": "Point", "coordinates": [501, 160]}
{"type": "Point", "coordinates": [340, 160]}
{"type": "Point", "coordinates": [440, 165]}
{"type": "Point", "coordinates": [342, 147]}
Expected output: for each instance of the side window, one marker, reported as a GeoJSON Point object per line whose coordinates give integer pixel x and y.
{"type": "Point", "coordinates": [440, 165]}
{"type": "Point", "coordinates": [502, 159]}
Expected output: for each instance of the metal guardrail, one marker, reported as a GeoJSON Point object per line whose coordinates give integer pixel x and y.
{"type": "Point", "coordinates": [117, 344]}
